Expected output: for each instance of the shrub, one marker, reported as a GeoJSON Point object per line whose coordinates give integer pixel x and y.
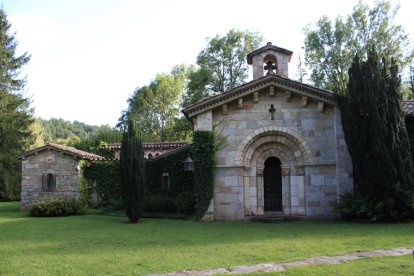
{"type": "Point", "coordinates": [356, 206]}
{"type": "Point", "coordinates": [55, 207]}
{"type": "Point", "coordinates": [160, 204]}
{"type": "Point", "coordinates": [185, 203]}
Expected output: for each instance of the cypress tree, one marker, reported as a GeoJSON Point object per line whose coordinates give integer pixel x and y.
{"type": "Point", "coordinates": [377, 140]}
{"type": "Point", "coordinates": [132, 173]}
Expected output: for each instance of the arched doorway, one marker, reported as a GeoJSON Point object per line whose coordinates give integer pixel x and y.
{"type": "Point", "coordinates": [272, 178]}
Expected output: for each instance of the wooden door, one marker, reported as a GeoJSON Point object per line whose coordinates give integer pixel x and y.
{"type": "Point", "coordinates": [272, 178]}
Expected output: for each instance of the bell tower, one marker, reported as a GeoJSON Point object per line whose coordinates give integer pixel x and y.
{"type": "Point", "coordinates": [269, 59]}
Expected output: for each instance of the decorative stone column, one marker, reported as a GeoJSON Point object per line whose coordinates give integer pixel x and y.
{"type": "Point", "coordinates": [260, 190]}
{"type": "Point", "coordinates": [246, 188]}
{"type": "Point", "coordinates": [286, 189]}
{"type": "Point", "coordinates": [300, 182]}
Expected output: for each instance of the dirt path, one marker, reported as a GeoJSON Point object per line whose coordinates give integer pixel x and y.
{"type": "Point", "coordinates": [272, 267]}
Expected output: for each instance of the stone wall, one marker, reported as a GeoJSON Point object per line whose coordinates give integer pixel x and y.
{"type": "Point", "coordinates": [306, 135]}
{"type": "Point", "coordinates": [204, 121]}
{"type": "Point", "coordinates": [37, 166]}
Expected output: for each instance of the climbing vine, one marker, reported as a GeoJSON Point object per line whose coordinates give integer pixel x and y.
{"type": "Point", "coordinates": [178, 196]}
{"type": "Point", "coordinates": [106, 176]}
{"type": "Point", "coordinates": [85, 188]}
{"type": "Point", "coordinates": [203, 152]}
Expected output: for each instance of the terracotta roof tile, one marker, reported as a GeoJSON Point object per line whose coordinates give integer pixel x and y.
{"type": "Point", "coordinates": [408, 107]}
{"type": "Point", "coordinates": [165, 145]}
{"type": "Point", "coordinates": [65, 149]}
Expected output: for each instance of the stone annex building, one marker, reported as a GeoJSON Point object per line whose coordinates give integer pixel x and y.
{"type": "Point", "coordinates": [52, 170]}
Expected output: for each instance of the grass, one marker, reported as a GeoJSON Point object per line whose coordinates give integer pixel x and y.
{"type": "Point", "coordinates": [107, 245]}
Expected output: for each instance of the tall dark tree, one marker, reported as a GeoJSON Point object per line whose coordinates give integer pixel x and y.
{"type": "Point", "coordinates": [15, 112]}
{"type": "Point", "coordinates": [377, 139]}
{"type": "Point", "coordinates": [132, 173]}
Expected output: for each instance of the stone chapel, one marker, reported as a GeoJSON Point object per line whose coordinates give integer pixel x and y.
{"type": "Point", "coordinates": [285, 152]}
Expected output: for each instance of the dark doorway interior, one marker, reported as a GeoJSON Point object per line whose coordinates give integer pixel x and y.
{"type": "Point", "coordinates": [272, 176]}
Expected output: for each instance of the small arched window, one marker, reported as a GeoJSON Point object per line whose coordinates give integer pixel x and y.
{"type": "Point", "coordinates": [165, 180]}
{"type": "Point", "coordinates": [51, 182]}
{"type": "Point", "coordinates": [150, 156]}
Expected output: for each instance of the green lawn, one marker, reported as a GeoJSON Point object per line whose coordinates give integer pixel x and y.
{"type": "Point", "coordinates": [105, 245]}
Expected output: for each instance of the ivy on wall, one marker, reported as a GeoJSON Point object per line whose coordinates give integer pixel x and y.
{"type": "Point", "coordinates": [106, 175]}
{"type": "Point", "coordinates": [178, 196]}
{"type": "Point", "coordinates": [85, 193]}
{"type": "Point", "coordinates": [203, 152]}
{"type": "Point", "coordinates": [188, 193]}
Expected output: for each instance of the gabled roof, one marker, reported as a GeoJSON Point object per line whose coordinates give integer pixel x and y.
{"type": "Point", "coordinates": [64, 149]}
{"type": "Point", "coordinates": [267, 47]}
{"type": "Point", "coordinates": [278, 81]}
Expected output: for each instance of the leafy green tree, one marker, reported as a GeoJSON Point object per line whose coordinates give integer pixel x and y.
{"type": "Point", "coordinates": [156, 106]}
{"type": "Point", "coordinates": [331, 46]}
{"type": "Point", "coordinates": [198, 80]}
{"type": "Point", "coordinates": [301, 71]}
{"type": "Point", "coordinates": [15, 112]}
{"type": "Point", "coordinates": [78, 134]}
{"type": "Point", "coordinates": [132, 173]}
{"type": "Point", "coordinates": [37, 134]}
{"type": "Point", "coordinates": [221, 64]}
{"type": "Point", "coordinates": [377, 140]}
{"type": "Point", "coordinates": [97, 141]}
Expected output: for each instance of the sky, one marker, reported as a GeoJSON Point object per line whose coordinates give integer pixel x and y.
{"type": "Point", "coordinates": [88, 56]}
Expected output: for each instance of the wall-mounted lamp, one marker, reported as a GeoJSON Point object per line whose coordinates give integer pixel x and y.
{"type": "Point", "coordinates": [189, 164]}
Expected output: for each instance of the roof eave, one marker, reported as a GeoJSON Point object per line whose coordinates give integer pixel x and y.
{"type": "Point", "coordinates": [260, 83]}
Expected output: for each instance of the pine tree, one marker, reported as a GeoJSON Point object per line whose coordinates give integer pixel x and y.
{"type": "Point", "coordinates": [132, 173]}
{"type": "Point", "coordinates": [15, 113]}
{"type": "Point", "coordinates": [373, 122]}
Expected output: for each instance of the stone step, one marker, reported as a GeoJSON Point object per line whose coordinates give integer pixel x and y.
{"type": "Point", "coordinates": [274, 218]}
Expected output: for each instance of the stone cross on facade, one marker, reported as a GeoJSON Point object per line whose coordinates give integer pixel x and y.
{"type": "Point", "coordinates": [272, 112]}
{"type": "Point", "coordinates": [270, 67]}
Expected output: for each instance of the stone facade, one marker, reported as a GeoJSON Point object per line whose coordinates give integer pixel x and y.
{"type": "Point", "coordinates": [35, 170]}
{"type": "Point", "coordinates": [304, 133]}
{"type": "Point", "coordinates": [51, 170]}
